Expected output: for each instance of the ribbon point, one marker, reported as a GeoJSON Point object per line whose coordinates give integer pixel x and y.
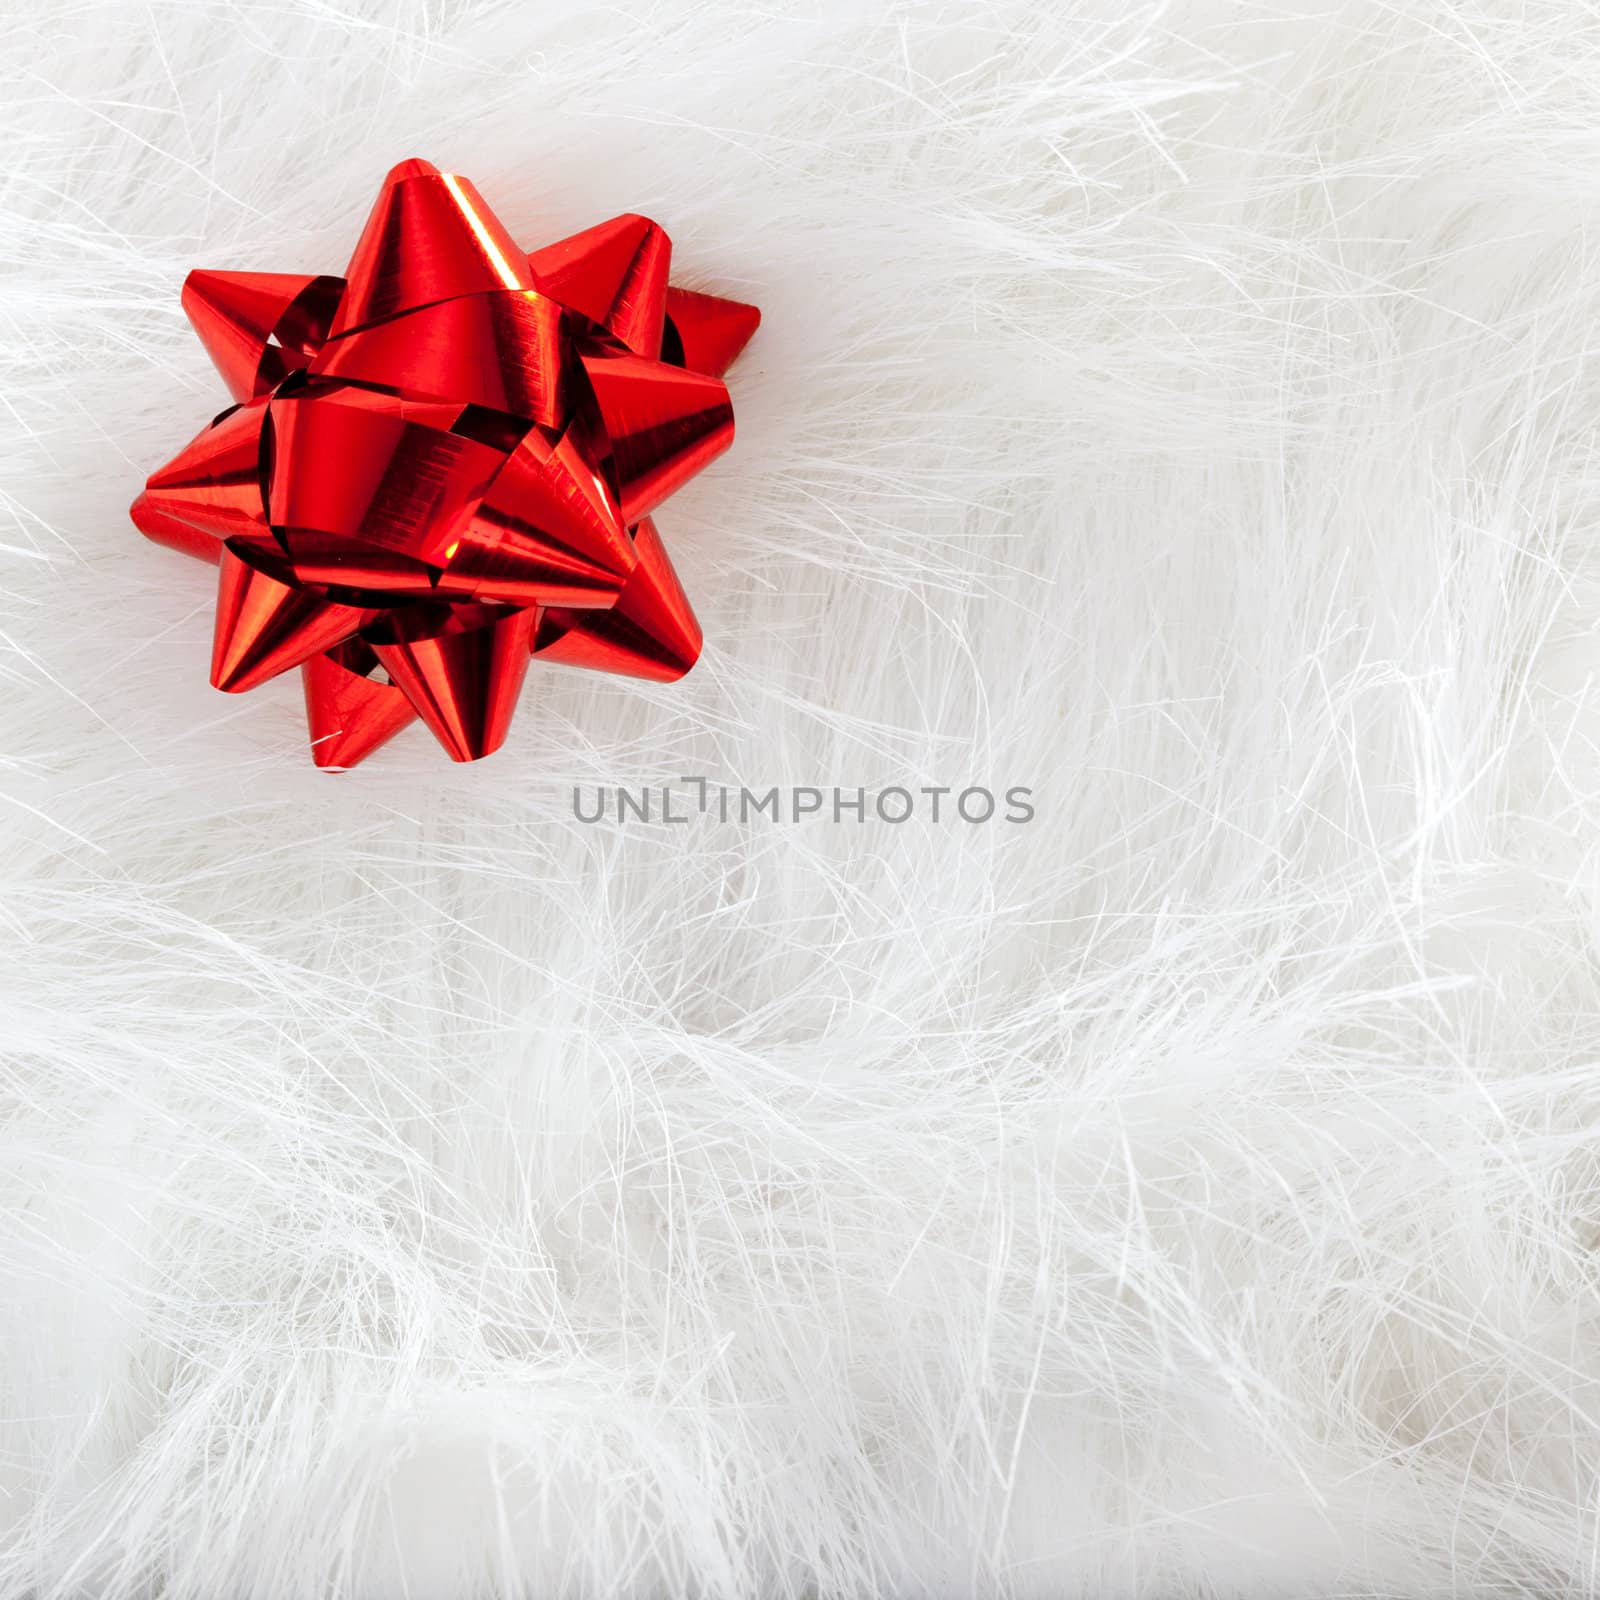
{"type": "Point", "coordinates": [411, 167]}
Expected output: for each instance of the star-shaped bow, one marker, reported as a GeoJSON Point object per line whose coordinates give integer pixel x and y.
{"type": "Point", "coordinates": [443, 464]}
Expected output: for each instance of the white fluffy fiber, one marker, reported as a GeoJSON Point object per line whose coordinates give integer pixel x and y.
{"type": "Point", "coordinates": [1186, 411]}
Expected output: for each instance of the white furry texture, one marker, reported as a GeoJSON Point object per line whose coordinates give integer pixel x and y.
{"type": "Point", "coordinates": [1187, 411]}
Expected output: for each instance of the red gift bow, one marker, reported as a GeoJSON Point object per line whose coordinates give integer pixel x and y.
{"type": "Point", "coordinates": [444, 462]}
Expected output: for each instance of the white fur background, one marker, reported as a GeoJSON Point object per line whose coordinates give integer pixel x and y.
{"type": "Point", "coordinates": [1187, 411]}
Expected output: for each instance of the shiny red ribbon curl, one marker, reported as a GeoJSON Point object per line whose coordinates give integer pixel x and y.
{"type": "Point", "coordinates": [444, 464]}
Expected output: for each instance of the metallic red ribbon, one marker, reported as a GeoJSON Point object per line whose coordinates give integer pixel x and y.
{"type": "Point", "coordinates": [444, 463]}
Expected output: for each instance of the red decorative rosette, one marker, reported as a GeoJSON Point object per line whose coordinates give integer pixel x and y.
{"type": "Point", "coordinates": [443, 464]}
